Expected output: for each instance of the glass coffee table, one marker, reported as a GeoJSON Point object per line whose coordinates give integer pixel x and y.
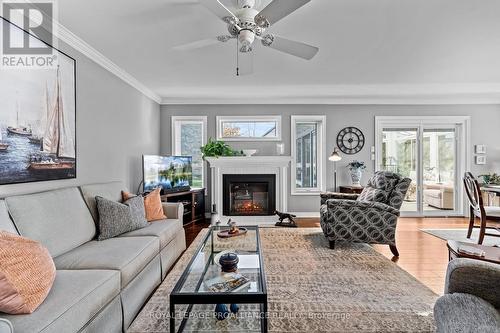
{"type": "Point", "coordinates": [191, 291]}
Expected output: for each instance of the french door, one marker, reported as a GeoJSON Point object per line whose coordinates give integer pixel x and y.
{"type": "Point", "coordinates": [433, 152]}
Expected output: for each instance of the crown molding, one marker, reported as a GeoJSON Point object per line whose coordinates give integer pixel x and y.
{"type": "Point", "coordinates": [422, 94]}
{"type": "Point", "coordinates": [64, 34]}
{"type": "Point", "coordinates": [68, 37]}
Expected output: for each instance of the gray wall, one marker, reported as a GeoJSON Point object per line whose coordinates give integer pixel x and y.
{"type": "Point", "coordinates": [115, 125]}
{"type": "Point", "coordinates": [485, 130]}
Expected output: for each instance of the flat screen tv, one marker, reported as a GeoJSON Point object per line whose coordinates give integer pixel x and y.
{"type": "Point", "coordinates": [170, 173]}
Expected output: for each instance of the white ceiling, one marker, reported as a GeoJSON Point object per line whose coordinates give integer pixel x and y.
{"type": "Point", "coordinates": [369, 44]}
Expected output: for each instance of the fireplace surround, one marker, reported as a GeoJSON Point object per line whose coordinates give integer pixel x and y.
{"type": "Point", "coordinates": [255, 165]}
{"type": "Point", "coordinates": [249, 195]}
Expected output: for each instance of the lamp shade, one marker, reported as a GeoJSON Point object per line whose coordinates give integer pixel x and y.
{"type": "Point", "coordinates": [335, 157]}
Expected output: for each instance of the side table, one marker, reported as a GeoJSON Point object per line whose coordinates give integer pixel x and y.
{"type": "Point", "coordinates": [350, 189]}
{"type": "Point", "coordinates": [492, 254]}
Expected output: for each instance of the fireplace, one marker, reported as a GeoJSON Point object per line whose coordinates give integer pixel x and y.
{"type": "Point", "coordinates": [249, 195]}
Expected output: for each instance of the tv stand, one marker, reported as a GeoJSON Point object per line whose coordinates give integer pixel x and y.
{"type": "Point", "coordinates": [194, 204]}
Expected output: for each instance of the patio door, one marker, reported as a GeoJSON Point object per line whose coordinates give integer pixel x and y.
{"type": "Point", "coordinates": [432, 151]}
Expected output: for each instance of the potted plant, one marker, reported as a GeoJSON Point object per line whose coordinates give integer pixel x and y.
{"type": "Point", "coordinates": [490, 179]}
{"type": "Point", "coordinates": [217, 149]}
{"type": "Point", "coordinates": [356, 171]}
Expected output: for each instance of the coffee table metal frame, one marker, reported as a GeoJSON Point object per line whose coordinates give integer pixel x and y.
{"type": "Point", "coordinates": [191, 298]}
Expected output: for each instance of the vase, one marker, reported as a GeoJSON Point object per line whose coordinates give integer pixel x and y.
{"type": "Point", "coordinates": [356, 174]}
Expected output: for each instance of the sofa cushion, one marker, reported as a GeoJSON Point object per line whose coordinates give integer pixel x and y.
{"type": "Point", "coordinates": [76, 297]}
{"type": "Point", "coordinates": [492, 211]}
{"type": "Point", "coordinates": [117, 218]}
{"type": "Point", "coordinates": [129, 255]}
{"type": "Point", "coordinates": [58, 219]}
{"type": "Point", "coordinates": [110, 191]}
{"type": "Point", "coordinates": [465, 313]}
{"type": "Point", "coordinates": [433, 193]}
{"type": "Point", "coordinates": [27, 273]}
{"type": "Point", "coordinates": [5, 221]}
{"type": "Point", "coordinates": [165, 230]}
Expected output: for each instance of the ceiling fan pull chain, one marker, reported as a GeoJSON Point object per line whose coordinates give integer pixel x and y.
{"type": "Point", "coordinates": [237, 58]}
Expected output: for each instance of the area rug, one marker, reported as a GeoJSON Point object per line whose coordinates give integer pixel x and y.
{"type": "Point", "coordinates": [312, 288]}
{"type": "Point", "coordinates": [461, 235]}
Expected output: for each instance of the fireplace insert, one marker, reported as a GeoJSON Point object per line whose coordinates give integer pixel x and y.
{"type": "Point", "coordinates": [249, 195]}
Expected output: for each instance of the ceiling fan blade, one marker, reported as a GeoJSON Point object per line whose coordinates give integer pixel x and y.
{"type": "Point", "coordinates": [297, 49]}
{"type": "Point", "coordinates": [221, 11]}
{"type": "Point", "coordinates": [277, 10]}
{"type": "Point", "coordinates": [201, 43]}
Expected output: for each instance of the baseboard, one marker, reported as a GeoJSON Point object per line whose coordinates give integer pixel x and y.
{"type": "Point", "coordinates": [306, 214]}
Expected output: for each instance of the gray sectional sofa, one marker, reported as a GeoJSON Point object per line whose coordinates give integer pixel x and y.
{"type": "Point", "coordinates": [100, 286]}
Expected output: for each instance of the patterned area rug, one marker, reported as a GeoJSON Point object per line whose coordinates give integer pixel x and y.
{"type": "Point", "coordinates": [461, 236]}
{"type": "Point", "coordinates": [313, 289]}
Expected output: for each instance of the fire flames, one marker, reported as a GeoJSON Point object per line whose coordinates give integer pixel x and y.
{"type": "Point", "coordinates": [249, 207]}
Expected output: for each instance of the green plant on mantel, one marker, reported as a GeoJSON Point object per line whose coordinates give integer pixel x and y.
{"type": "Point", "coordinates": [217, 149]}
{"type": "Point", "coordinates": [491, 179]}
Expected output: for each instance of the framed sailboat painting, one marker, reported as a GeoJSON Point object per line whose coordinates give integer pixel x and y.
{"type": "Point", "coordinates": [37, 119]}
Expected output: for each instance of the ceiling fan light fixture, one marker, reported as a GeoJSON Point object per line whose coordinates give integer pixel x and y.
{"type": "Point", "coordinates": [223, 38]}
{"type": "Point", "coordinates": [246, 37]}
{"type": "Point", "coordinates": [261, 21]}
{"type": "Point", "coordinates": [246, 48]}
{"type": "Point", "coordinates": [267, 40]}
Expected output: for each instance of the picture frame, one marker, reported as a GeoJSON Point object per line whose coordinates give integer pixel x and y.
{"type": "Point", "coordinates": [38, 119]}
{"type": "Point", "coordinates": [481, 160]}
{"type": "Point", "coordinates": [480, 149]}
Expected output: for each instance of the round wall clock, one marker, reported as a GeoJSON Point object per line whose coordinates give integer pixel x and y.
{"type": "Point", "coordinates": [350, 140]}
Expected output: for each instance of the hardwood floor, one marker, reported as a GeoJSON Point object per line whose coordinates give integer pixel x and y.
{"type": "Point", "coordinates": [422, 255]}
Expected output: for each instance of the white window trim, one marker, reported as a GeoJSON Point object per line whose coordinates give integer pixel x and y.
{"type": "Point", "coordinates": [464, 151]}
{"type": "Point", "coordinates": [176, 147]}
{"type": "Point", "coordinates": [321, 155]}
{"type": "Point", "coordinates": [223, 119]}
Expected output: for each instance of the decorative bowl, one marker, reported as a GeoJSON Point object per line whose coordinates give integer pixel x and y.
{"type": "Point", "coordinates": [249, 152]}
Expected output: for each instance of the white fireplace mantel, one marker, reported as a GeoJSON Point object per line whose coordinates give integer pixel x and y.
{"type": "Point", "coordinates": [259, 165]}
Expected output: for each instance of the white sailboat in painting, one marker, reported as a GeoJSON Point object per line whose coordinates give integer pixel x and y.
{"type": "Point", "coordinates": [19, 130]}
{"type": "Point", "coordinates": [38, 129]}
{"type": "Point", "coordinates": [58, 148]}
{"type": "Point", "coordinates": [3, 146]}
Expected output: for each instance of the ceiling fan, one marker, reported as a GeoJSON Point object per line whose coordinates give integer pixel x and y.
{"type": "Point", "coordinates": [246, 24]}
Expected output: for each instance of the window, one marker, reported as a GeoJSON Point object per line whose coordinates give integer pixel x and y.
{"type": "Point", "coordinates": [260, 128]}
{"type": "Point", "coordinates": [188, 135]}
{"type": "Point", "coordinates": [308, 152]}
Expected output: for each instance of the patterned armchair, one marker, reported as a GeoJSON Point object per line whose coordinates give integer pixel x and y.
{"type": "Point", "coordinates": [370, 217]}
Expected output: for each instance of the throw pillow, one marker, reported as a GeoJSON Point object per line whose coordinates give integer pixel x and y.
{"type": "Point", "coordinates": [370, 194]}
{"type": "Point", "coordinates": [118, 218]}
{"type": "Point", "coordinates": [152, 205]}
{"type": "Point", "coordinates": [27, 273]}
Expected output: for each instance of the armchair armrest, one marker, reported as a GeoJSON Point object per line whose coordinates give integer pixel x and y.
{"type": "Point", "coordinates": [335, 195]}
{"type": "Point", "coordinates": [173, 210]}
{"type": "Point", "coordinates": [475, 277]}
{"type": "Point", "coordinates": [348, 204]}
